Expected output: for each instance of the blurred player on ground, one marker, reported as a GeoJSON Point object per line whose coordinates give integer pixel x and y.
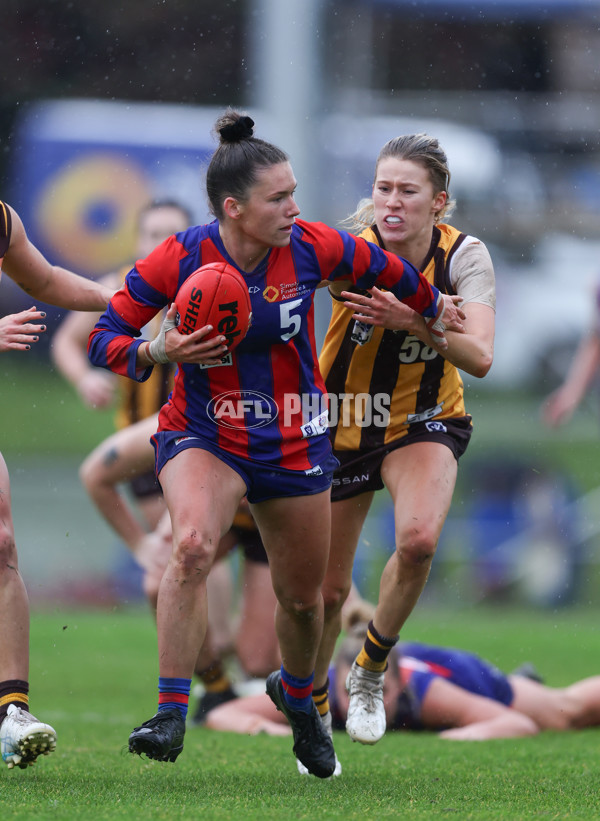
{"type": "Point", "coordinates": [442, 689]}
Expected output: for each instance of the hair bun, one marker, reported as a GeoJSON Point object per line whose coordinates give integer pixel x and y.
{"type": "Point", "coordinates": [241, 129]}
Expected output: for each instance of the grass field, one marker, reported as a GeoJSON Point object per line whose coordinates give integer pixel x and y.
{"type": "Point", "coordinates": [94, 677]}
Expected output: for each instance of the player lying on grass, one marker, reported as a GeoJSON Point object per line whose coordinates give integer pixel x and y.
{"type": "Point", "coordinates": [446, 690]}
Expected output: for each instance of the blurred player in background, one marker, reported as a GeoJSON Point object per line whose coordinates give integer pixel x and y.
{"type": "Point", "coordinates": [22, 736]}
{"type": "Point", "coordinates": [562, 403]}
{"type": "Point", "coordinates": [285, 467]}
{"type": "Point", "coordinates": [115, 461]}
{"type": "Point", "coordinates": [99, 389]}
{"type": "Point", "coordinates": [128, 453]}
{"type": "Point", "coordinates": [411, 435]}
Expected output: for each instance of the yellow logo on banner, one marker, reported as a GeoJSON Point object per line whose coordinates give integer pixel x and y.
{"type": "Point", "coordinates": [87, 212]}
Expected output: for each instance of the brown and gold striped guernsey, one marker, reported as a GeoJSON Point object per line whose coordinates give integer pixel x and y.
{"type": "Point", "coordinates": [5, 229]}
{"type": "Point", "coordinates": [402, 375]}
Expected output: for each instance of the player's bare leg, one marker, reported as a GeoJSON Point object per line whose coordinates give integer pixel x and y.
{"type": "Point", "coordinates": [202, 495]}
{"type": "Point", "coordinates": [420, 478]}
{"type": "Point", "coordinates": [22, 736]}
{"type": "Point", "coordinates": [295, 533]}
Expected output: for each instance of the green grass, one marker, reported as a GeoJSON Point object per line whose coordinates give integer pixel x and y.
{"type": "Point", "coordinates": [43, 414]}
{"type": "Point", "coordinates": [93, 675]}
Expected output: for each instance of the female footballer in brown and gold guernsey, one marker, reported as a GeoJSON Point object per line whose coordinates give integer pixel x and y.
{"type": "Point", "coordinates": [398, 398]}
{"type": "Point", "coordinates": [156, 221]}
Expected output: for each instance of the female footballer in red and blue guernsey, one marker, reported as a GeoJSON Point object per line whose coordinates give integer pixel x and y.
{"type": "Point", "coordinates": [269, 440]}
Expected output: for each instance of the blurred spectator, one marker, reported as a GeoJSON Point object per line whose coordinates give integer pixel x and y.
{"type": "Point", "coordinates": [98, 388]}
{"type": "Point", "coordinates": [563, 402]}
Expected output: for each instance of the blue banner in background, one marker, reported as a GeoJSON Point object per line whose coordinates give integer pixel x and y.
{"type": "Point", "coordinates": [83, 169]}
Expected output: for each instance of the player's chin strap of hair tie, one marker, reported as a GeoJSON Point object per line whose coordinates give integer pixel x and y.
{"type": "Point", "coordinates": [157, 349]}
{"type": "Point", "coordinates": [241, 129]}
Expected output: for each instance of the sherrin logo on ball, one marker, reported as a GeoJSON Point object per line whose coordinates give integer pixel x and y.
{"type": "Point", "coordinates": [215, 294]}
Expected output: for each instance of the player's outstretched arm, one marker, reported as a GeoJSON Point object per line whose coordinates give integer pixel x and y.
{"type": "Point", "coordinates": [18, 332]}
{"type": "Point", "coordinates": [49, 283]}
{"type": "Point", "coordinates": [68, 350]}
{"type": "Point", "coordinates": [562, 403]}
{"type": "Point", "coordinates": [250, 716]}
{"type": "Point", "coordinates": [470, 717]}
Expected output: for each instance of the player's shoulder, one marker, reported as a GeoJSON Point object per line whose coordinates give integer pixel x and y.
{"type": "Point", "coordinates": [197, 232]}
{"type": "Point", "coordinates": [312, 231]}
{"type": "Point", "coordinates": [5, 227]}
{"type": "Point", "coordinates": [455, 239]}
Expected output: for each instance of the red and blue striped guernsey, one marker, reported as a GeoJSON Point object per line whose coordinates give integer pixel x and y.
{"type": "Point", "coordinates": [266, 401]}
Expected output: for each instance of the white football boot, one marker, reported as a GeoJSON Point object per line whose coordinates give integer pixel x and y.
{"type": "Point", "coordinates": [328, 724]}
{"type": "Point", "coordinates": [366, 720]}
{"type": "Point", "coordinates": [23, 738]}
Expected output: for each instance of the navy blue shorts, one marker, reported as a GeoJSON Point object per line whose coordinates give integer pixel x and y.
{"type": "Point", "coordinates": [263, 481]}
{"type": "Point", "coordinates": [360, 470]}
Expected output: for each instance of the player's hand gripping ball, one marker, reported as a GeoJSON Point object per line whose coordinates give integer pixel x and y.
{"type": "Point", "coordinates": [216, 294]}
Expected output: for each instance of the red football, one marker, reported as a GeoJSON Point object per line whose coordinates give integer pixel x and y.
{"type": "Point", "coordinates": [216, 295]}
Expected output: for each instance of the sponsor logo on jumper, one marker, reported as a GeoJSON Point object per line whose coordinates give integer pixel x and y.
{"type": "Point", "coordinates": [361, 332]}
{"type": "Point", "coordinates": [291, 290]}
{"type": "Point", "coordinates": [316, 426]}
{"type": "Point", "coordinates": [271, 293]}
{"type": "Point", "coordinates": [284, 291]}
{"type": "Point", "coordinates": [425, 415]}
{"type": "Point", "coordinates": [225, 360]}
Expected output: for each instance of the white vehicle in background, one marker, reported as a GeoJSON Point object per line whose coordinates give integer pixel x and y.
{"type": "Point", "coordinates": [350, 147]}
{"type": "Point", "coordinates": [544, 306]}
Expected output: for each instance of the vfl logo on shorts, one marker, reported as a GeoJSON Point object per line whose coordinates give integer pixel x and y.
{"type": "Point", "coordinates": [316, 471]}
{"type": "Point", "coordinates": [436, 427]}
